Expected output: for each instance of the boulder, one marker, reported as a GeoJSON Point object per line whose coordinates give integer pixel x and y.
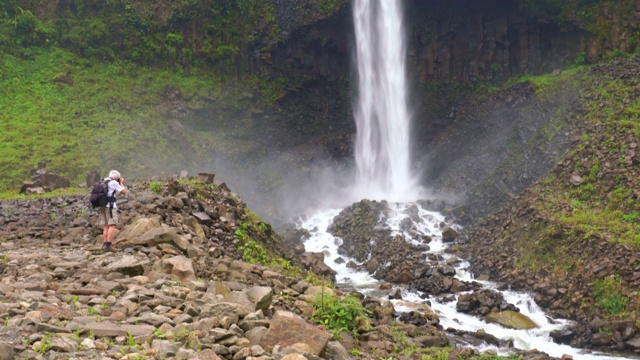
{"type": "Point", "coordinates": [181, 267]}
{"type": "Point", "coordinates": [286, 331]}
{"type": "Point", "coordinates": [335, 351]}
{"type": "Point", "coordinates": [109, 329]}
{"type": "Point", "coordinates": [449, 235]}
{"type": "Point", "coordinates": [261, 296]}
{"type": "Point", "coordinates": [128, 265]}
{"type": "Point", "coordinates": [195, 227]}
{"type": "Point", "coordinates": [511, 319]}
{"type": "Point", "coordinates": [432, 341]}
{"type": "Point", "coordinates": [161, 235]}
{"type": "Point", "coordinates": [135, 230]}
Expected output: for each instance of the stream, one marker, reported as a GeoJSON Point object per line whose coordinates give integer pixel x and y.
{"type": "Point", "coordinates": [322, 241]}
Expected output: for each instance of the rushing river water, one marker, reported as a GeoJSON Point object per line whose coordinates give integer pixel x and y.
{"type": "Point", "coordinates": [322, 241]}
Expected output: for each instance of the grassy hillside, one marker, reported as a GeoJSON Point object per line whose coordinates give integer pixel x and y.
{"type": "Point", "coordinates": [81, 114]}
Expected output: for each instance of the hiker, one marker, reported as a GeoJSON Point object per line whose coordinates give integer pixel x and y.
{"type": "Point", "coordinates": [109, 213]}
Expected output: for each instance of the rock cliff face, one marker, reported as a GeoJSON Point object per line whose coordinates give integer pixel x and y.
{"type": "Point", "coordinates": [470, 40]}
{"type": "Point", "coordinates": [463, 40]}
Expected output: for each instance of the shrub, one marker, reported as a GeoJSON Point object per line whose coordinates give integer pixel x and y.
{"type": "Point", "coordinates": [608, 295]}
{"type": "Point", "coordinates": [339, 314]}
{"type": "Point", "coordinates": [581, 59]}
{"type": "Point", "coordinates": [155, 186]}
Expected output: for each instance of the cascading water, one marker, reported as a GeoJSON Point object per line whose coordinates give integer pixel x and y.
{"type": "Point", "coordinates": [384, 173]}
{"type": "Point", "coordinates": [382, 118]}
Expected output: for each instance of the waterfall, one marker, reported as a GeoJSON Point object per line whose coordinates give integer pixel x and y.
{"type": "Point", "coordinates": [381, 114]}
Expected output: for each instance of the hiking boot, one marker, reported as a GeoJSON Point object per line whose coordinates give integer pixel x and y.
{"type": "Point", "coordinates": [109, 249]}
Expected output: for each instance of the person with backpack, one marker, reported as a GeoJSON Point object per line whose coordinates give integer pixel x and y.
{"type": "Point", "coordinates": [103, 196]}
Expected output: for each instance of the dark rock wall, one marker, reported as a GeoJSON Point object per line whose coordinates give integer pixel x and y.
{"type": "Point", "coordinates": [457, 41]}
{"type": "Point", "coordinates": [468, 40]}
{"type": "Point", "coordinates": [309, 52]}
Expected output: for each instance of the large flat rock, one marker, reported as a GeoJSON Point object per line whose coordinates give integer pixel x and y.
{"type": "Point", "coordinates": [109, 329]}
{"type": "Point", "coordinates": [286, 331]}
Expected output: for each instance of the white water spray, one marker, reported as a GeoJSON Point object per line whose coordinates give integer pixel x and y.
{"type": "Point", "coordinates": [382, 118]}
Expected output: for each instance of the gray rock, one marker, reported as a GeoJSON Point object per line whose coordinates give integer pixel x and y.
{"type": "Point", "coordinates": [45, 327]}
{"type": "Point", "coordinates": [183, 319]}
{"type": "Point", "coordinates": [432, 341]}
{"type": "Point", "coordinates": [285, 331]}
{"type": "Point", "coordinates": [261, 296]}
{"type": "Point", "coordinates": [162, 235]}
{"type": "Point", "coordinates": [181, 267]}
{"type": "Point", "coordinates": [174, 203]}
{"type": "Point", "coordinates": [335, 351]}
{"type": "Point", "coordinates": [241, 298]}
{"type": "Point", "coordinates": [254, 335]}
{"type": "Point", "coordinates": [449, 235]}
{"type": "Point", "coordinates": [257, 350]}
{"type": "Point", "coordinates": [88, 344]}
{"type": "Point", "coordinates": [202, 217]}
{"type": "Point", "coordinates": [6, 351]}
{"type": "Point", "coordinates": [165, 348]}
{"type": "Point", "coordinates": [128, 265]}
{"type": "Point", "coordinates": [242, 353]}
{"type": "Point", "coordinates": [109, 329]}
{"type": "Point", "coordinates": [247, 325]}
{"type": "Point", "coordinates": [207, 354]}
{"type": "Point", "coordinates": [63, 344]}
{"type": "Point", "coordinates": [185, 354]}
{"type": "Point", "coordinates": [634, 343]}
{"type": "Point", "coordinates": [137, 228]}
{"type": "Point", "coordinates": [154, 319]}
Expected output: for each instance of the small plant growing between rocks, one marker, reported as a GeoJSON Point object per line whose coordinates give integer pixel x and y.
{"type": "Point", "coordinates": [158, 334]}
{"type": "Point", "coordinates": [608, 295]}
{"type": "Point", "coordinates": [91, 311]}
{"type": "Point", "coordinates": [182, 334]}
{"type": "Point", "coordinates": [440, 354]}
{"type": "Point", "coordinates": [44, 345]}
{"type": "Point", "coordinates": [254, 252]}
{"type": "Point", "coordinates": [340, 314]}
{"type": "Point", "coordinates": [131, 341]}
{"type": "Point", "coordinates": [155, 186]}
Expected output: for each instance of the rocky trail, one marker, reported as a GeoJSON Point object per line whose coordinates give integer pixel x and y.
{"type": "Point", "coordinates": [174, 290]}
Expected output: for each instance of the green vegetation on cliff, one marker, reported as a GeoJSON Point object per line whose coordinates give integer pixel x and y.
{"type": "Point", "coordinates": [177, 34]}
{"type": "Point", "coordinates": [604, 18]}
